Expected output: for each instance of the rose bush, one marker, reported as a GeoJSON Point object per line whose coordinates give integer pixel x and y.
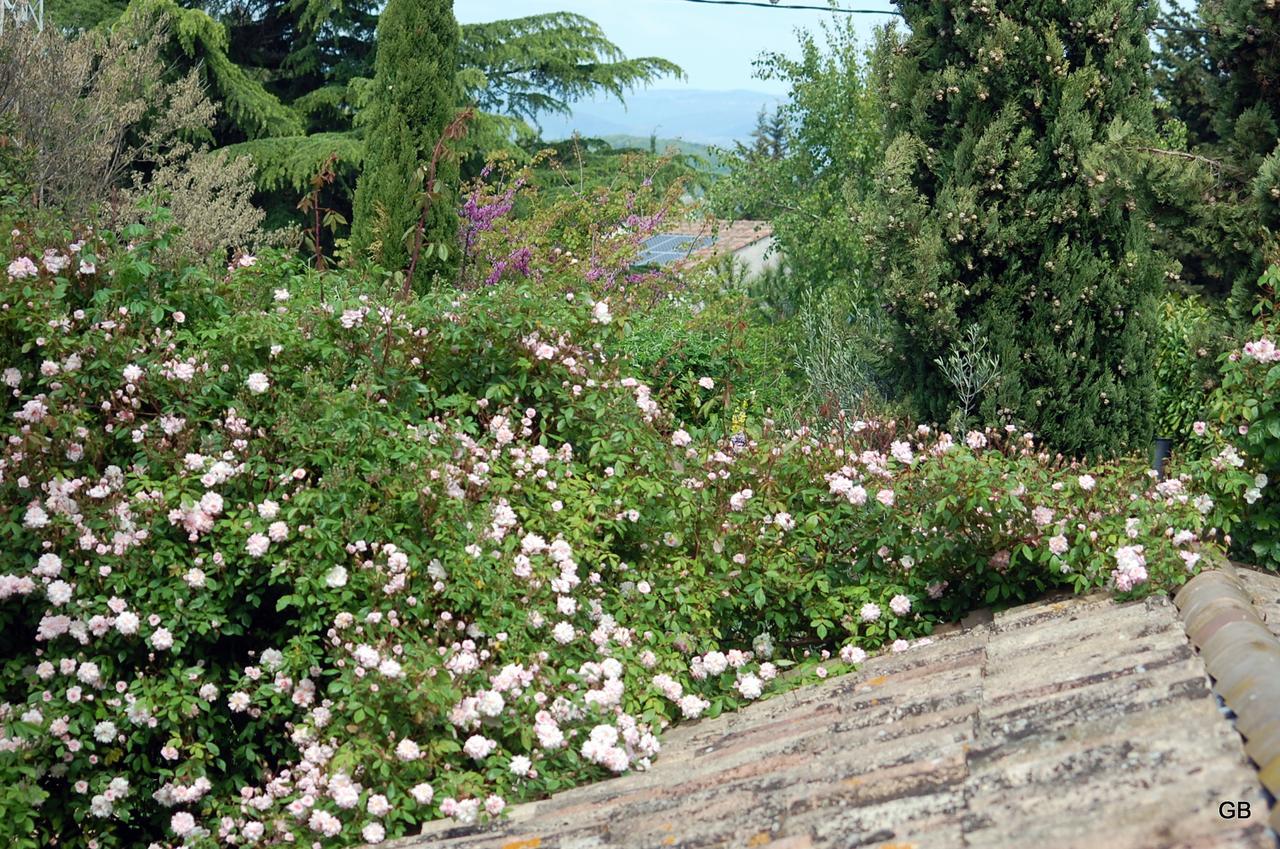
{"type": "Point", "coordinates": [289, 558]}
{"type": "Point", "coordinates": [1240, 444]}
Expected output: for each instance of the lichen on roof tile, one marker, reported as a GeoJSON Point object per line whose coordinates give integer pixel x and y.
{"type": "Point", "coordinates": [1068, 723]}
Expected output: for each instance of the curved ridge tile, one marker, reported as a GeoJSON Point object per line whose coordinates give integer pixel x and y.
{"type": "Point", "coordinates": [1241, 653]}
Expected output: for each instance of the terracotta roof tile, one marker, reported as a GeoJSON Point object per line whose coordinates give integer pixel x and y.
{"type": "Point", "coordinates": [730, 236]}
{"type": "Point", "coordinates": [1069, 723]}
{"type": "Point", "coordinates": [1230, 614]}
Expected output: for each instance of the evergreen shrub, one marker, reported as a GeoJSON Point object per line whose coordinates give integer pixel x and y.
{"type": "Point", "coordinates": [413, 100]}
{"type": "Point", "coordinates": [1240, 442]}
{"type": "Point", "coordinates": [1006, 201]}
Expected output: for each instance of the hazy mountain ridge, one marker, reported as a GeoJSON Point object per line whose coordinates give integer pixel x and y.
{"type": "Point", "coordinates": [691, 115]}
{"type": "Point", "coordinates": [703, 152]}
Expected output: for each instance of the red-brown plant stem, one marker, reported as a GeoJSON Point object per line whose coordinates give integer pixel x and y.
{"type": "Point", "coordinates": [456, 130]}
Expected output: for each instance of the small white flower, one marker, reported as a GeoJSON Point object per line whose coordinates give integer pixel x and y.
{"type": "Point", "coordinates": [749, 686]}
{"type": "Point", "coordinates": [600, 313]}
{"type": "Point", "coordinates": [257, 545]}
{"type": "Point", "coordinates": [407, 750]}
{"type": "Point", "coordinates": [852, 654]}
{"type": "Point", "coordinates": [182, 823]}
{"type": "Point", "coordinates": [59, 593]}
{"type": "Point", "coordinates": [478, 747]}
{"type": "Point", "coordinates": [162, 639]}
{"type": "Point", "coordinates": [127, 623]}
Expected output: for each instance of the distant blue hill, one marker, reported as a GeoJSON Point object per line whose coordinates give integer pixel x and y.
{"type": "Point", "coordinates": [703, 117]}
{"type": "Point", "coordinates": [664, 145]}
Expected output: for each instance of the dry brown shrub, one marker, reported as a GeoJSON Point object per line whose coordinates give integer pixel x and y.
{"type": "Point", "coordinates": [107, 125]}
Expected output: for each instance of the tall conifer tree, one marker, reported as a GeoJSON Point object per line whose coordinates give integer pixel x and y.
{"type": "Point", "coordinates": [413, 100]}
{"type": "Point", "coordinates": [1218, 70]}
{"type": "Point", "coordinates": [1005, 202]}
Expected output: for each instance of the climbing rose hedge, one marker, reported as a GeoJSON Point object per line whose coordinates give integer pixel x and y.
{"type": "Point", "coordinates": [288, 559]}
{"type": "Point", "coordinates": [1238, 452]}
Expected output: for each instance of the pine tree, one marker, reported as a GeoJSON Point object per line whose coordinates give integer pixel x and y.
{"type": "Point", "coordinates": [769, 138]}
{"type": "Point", "coordinates": [537, 65]}
{"type": "Point", "coordinates": [248, 109]}
{"type": "Point", "coordinates": [776, 134]}
{"type": "Point", "coordinates": [1005, 202]}
{"type": "Point", "coordinates": [413, 100]}
{"type": "Point", "coordinates": [760, 135]}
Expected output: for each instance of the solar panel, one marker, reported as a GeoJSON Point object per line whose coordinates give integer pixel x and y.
{"type": "Point", "coordinates": [668, 248]}
{"type": "Point", "coordinates": [665, 242]}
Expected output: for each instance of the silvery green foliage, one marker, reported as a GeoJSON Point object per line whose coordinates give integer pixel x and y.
{"type": "Point", "coordinates": [837, 352]}
{"type": "Point", "coordinates": [970, 370]}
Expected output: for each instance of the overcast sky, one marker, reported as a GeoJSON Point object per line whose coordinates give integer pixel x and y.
{"type": "Point", "coordinates": [714, 44]}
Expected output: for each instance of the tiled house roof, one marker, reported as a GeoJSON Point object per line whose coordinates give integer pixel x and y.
{"type": "Point", "coordinates": [1070, 723]}
{"type": "Point", "coordinates": [1233, 617]}
{"type": "Point", "coordinates": [690, 242]}
{"type": "Point", "coordinates": [733, 236]}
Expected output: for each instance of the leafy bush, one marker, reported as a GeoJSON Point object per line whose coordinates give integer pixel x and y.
{"type": "Point", "coordinates": [515, 228]}
{"type": "Point", "coordinates": [840, 351]}
{"type": "Point", "coordinates": [103, 124]}
{"type": "Point", "coordinates": [709, 336]}
{"type": "Point", "coordinates": [1191, 336]}
{"type": "Point", "coordinates": [292, 558]}
{"type": "Point", "coordinates": [818, 162]}
{"type": "Point", "coordinates": [1241, 449]}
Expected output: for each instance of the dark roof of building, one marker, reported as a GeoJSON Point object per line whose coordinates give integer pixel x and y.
{"type": "Point", "coordinates": [693, 241]}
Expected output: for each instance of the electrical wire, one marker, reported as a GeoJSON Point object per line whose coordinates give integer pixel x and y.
{"type": "Point", "coordinates": [893, 12]}
{"type": "Point", "coordinates": [798, 6]}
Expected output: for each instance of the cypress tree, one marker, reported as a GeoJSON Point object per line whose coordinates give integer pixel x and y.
{"type": "Point", "coordinates": [1218, 71]}
{"type": "Point", "coordinates": [1004, 202]}
{"type": "Point", "coordinates": [413, 100]}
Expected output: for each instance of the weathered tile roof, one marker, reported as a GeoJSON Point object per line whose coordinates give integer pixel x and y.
{"type": "Point", "coordinates": [733, 236]}
{"type": "Point", "coordinates": [1232, 616]}
{"type": "Point", "coordinates": [1070, 723]}
{"type": "Point", "coordinates": [1265, 590]}
{"type": "Point", "coordinates": [723, 237]}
